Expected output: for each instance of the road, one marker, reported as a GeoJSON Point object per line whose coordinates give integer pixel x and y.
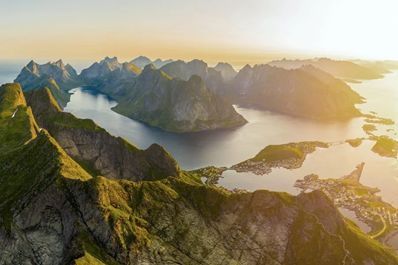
{"type": "Point", "coordinates": [382, 230]}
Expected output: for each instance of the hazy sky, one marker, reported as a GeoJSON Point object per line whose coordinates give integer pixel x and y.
{"type": "Point", "coordinates": [237, 31]}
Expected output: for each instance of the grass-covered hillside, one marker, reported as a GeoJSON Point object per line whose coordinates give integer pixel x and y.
{"type": "Point", "coordinates": [17, 124]}
{"type": "Point", "coordinates": [95, 148]}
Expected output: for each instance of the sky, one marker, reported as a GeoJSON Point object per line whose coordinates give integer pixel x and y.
{"type": "Point", "coordinates": [249, 31]}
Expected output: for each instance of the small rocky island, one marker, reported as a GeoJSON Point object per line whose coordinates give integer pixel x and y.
{"type": "Point", "coordinates": [289, 156]}
{"type": "Point", "coordinates": [385, 146]}
{"type": "Point", "coordinates": [347, 192]}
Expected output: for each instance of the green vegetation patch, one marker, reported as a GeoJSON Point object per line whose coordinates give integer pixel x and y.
{"type": "Point", "coordinates": [354, 142]}
{"type": "Point", "coordinates": [30, 169]}
{"type": "Point", "coordinates": [385, 146]}
{"type": "Point", "coordinates": [17, 124]}
{"type": "Point", "coordinates": [93, 254]}
{"type": "Point", "coordinates": [279, 152]}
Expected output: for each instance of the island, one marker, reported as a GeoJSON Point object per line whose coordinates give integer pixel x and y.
{"type": "Point", "coordinates": [289, 156]}
{"type": "Point", "coordinates": [369, 128]}
{"type": "Point", "coordinates": [385, 146]}
{"type": "Point", "coordinates": [355, 142]}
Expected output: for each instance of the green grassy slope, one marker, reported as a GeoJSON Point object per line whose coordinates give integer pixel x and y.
{"type": "Point", "coordinates": [17, 124]}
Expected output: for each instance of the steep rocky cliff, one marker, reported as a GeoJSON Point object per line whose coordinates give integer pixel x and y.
{"type": "Point", "coordinates": [55, 212]}
{"type": "Point", "coordinates": [96, 149]}
{"type": "Point", "coordinates": [176, 105]}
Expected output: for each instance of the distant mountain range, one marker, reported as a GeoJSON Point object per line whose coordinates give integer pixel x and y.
{"type": "Point", "coordinates": [303, 88]}
{"type": "Point", "coordinates": [347, 70]}
{"type": "Point", "coordinates": [143, 61]}
{"type": "Point", "coordinates": [70, 193]}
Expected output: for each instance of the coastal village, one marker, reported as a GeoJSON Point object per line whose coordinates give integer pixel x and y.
{"type": "Point", "coordinates": [380, 217]}
{"type": "Point", "coordinates": [347, 192]}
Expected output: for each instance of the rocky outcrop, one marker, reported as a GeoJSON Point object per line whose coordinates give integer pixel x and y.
{"type": "Point", "coordinates": [305, 92]}
{"type": "Point", "coordinates": [185, 70]}
{"type": "Point", "coordinates": [142, 61]}
{"type": "Point", "coordinates": [34, 76]}
{"type": "Point", "coordinates": [176, 105]}
{"type": "Point", "coordinates": [228, 73]}
{"type": "Point", "coordinates": [55, 212]}
{"type": "Point", "coordinates": [98, 151]}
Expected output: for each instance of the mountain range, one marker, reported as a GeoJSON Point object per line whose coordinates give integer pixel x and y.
{"type": "Point", "coordinates": [185, 92]}
{"type": "Point", "coordinates": [59, 204]}
{"type": "Point", "coordinates": [347, 70]}
{"type": "Point", "coordinates": [142, 61]}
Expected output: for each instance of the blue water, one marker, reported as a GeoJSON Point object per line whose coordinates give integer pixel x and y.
{"type": "Point", "coordinates": [220, 148]}
{"type": "Point", "coordinates": [9, 70]}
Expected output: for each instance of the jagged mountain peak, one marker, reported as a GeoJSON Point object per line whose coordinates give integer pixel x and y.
{"type": "Point", "coordinates": [34, 75]}
{"type": "Point", "coordinates": [227, 70]}
{"type": "Point", "coordinates": [142, 57]}
{"type": "Point", "coordinates": [141, 61]}
{"type": "Point", "coordinates": [59, 63]}
{"type": "Point", "coordinates": [31, 64]}
{"type": "Point", "coordinates": [108, 59]}
{"type": "Point", "coordinates": [224, 64]}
